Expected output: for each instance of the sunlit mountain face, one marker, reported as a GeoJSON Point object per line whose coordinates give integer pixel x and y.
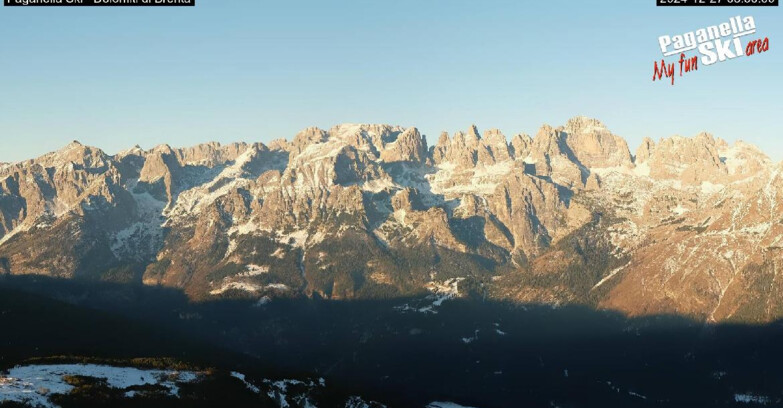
{"type": "Point", "coordinates": [688, 226]}
{"type": "Point", "coordinates": [363, 266]}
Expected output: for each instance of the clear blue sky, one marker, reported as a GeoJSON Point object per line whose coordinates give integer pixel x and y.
{"type": "Point", "coordinates": [259, 70]}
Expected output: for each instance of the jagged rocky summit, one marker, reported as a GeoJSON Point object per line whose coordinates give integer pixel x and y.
{"type": "Point", "coordinates": [686, 225]}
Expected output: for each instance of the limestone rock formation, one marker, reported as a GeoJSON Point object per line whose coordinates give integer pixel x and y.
{"type": "Point", "coordinates": [687, 225]}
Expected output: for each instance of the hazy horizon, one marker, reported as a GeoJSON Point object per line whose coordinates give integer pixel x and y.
{"type": "Point", "coordinates": [114, 77]}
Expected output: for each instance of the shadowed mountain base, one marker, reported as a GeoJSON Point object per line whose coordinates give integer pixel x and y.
{"type": "Point", "coordinates": [410, 351]}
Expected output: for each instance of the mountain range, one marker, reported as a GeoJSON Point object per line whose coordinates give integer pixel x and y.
{"type": "Point", "coordinates": [687, 226]}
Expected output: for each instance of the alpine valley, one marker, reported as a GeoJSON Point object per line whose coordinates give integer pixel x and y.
{"type": "Point", "coordinates": [368, 256]}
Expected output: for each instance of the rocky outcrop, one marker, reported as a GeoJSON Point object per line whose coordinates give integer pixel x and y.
{"type": "Point", "coordinates": [687, 225]}
{"type": "Point", "coordinates": [441, 149]}
{"type": "Point", "coordinates": [690, 160]}
{"type": "Point", "coordinates": [520, 146]}
{"type": "Point", "coordinates": [410, 146]}
{"type": "Point", "coordinates": [594, 146]}
{"type": "Point", "coordinates": [494, 148]}
{"type": "Point", "coordinates": [306, 138]}
{"type": "Point", "coordinates": [551, 157]}
{"type": "Point", "coordinates": [644, 152]}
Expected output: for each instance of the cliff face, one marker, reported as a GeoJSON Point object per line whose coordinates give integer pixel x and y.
{"type": "Point", "coordinates": [687, 225]}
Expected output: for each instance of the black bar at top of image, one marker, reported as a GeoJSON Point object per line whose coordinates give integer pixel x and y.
{"type": "Point", "coordinates": [99, 3]}
{"type": "Point", "coordinates": [717, 3]}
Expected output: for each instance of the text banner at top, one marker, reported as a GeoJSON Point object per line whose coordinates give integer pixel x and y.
{"type": "Point", "coordinates": [99, 3]}
{"type": "Point", "coordinates": [716, 3]}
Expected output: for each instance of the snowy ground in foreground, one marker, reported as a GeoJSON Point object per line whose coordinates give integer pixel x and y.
{"type": "Point", "coordinates": [439, 404]}
{"type": "Point", "coordinates": [33, 384]}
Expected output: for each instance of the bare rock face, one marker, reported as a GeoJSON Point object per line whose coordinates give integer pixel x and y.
{"type": "Point", "coordinates": [593, 182]}
{"type": "Point", "coordinates": [532, 208]}
{"type": "Point", "coordinates": [407, 199]}
{"type": "Point", "coordinates": [548, 142]}
{"type": "Point", "coordinates": [158, 173]}
{"type": "Point", "coordinates": [644, 152]}
{"type": "Point", "coordinates": [472, 137]}
{"type": "Point", "coordinates": [463, 150]}
{"type": "Point", "coordinates": [440, 150]}
{"type": "Point", "coordinates": [594, 146]}
{"type": "Point", "coordinates": [742, 160]}
{"type": "Point", "coordinates": [410, 146]}
{"type": "Point", "coordinates": [280, 144]}
{"type": "Point", "coordinates": [209, 154]}
{"type": "Point", "coordinates": [688, 225]}
{"type": "Point", "coordinates": [493, 148]}
{"type": "Point", "coordinates": [551, 157]}
{"type": "Point", "coordinates": [50, 209]}
{"type": "Point", "coordinates": [305, 138]}
{"type": "Point", "coordinates": [689, 160]}
{"type": "Point", "coordinates": [520, 146]}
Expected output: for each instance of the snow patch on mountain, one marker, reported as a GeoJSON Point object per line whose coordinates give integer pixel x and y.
{"type": "Point", "coordinates": [234, 176]}
{"type": "Point", "coordinates": [248, 287]}
{"type": "Point", "coordinates": [609, 276]}
{"type": "Point", "coordinates": [296, 239]}
{"type": "Point", "coordinates": [440, 292]}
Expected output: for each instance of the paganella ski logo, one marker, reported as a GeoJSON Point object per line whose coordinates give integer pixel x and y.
{"type": "Point", "coordinates": [711, 44]}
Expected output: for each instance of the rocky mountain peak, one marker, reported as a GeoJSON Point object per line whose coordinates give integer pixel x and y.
{"type": "Point", "coordinates": [364, 209]}
{"type": "Point", "coordinates": [594, 146]}
{"type": "Point", "coordinates": [520, 146]}
{"type": "Point", "coordinates": [135, 149]}
{"type": "Point", "coordinates": [441, 148]}
{"type": "Point", "coordinates": [584, 124]}
{"type": "Point", "coordinates": [365, 137]}
{"type": "Point", "coordinates": [473, 136]}
{"type": "Point", "coordinates": [444, 140]}
{"type": "Point", "coordinates": [306, 138]}
{"type": "Point", "coordinates": [494, 147]}
{"type": "Point", "coordinates": [162, 149]}
{"type": "Point", "coordinates": [74, 153]}
{"type": "Point", "coordinates": [410, 146]}
{"type": "Point", "coordinates": [690, 160]}
{"type": "Point", "coordinates": [547, 141]}
{"type": "Point", "coordinates": [743, 160]}
{"type": "Point", "coordinates": [279, 144]}
{"type": "Point", "coordinates": [494, 138]}
{"type": "Point", "coordinates": [463, 149]}
{"type": "Point", "coordinates": [645, 150]}
{"type": "Point", "coordinates": [209, 153]}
